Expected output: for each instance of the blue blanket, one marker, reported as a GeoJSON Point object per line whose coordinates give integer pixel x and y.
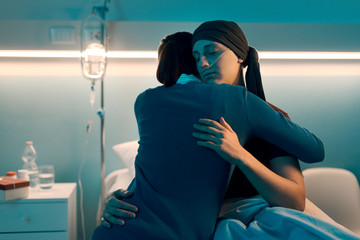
{"type": "Point", "coordinates": [254, 219]}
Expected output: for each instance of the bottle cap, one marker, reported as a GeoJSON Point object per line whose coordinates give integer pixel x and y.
{"type": "Point", "coordinates": [28, 142]}
{"type": "Point", "coordinates": [11, 173]}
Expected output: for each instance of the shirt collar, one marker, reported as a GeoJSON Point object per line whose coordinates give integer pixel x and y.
{"type": "Point", "coordinates": [184, 78]}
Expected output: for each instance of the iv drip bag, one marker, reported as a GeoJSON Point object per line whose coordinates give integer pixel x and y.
{"type": "Point", "coordinates": [94, 61]}
{"type": "Point", "coordinates": [94, 41]}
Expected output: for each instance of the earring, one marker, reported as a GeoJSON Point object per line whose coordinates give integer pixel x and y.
{"type": "Point", "coordinates": [239, 60]}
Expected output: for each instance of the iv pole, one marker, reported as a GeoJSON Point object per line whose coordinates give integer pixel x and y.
{"type": "Point", "coordinates": [99, 12]}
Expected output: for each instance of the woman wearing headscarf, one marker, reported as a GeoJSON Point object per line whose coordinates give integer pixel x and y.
{"type": "Point", "coordinates": [179, 186]}
{"type": "Point", "coordinates": [222, 52]}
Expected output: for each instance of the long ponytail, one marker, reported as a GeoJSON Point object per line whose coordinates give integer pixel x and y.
{"type": "Point", "coordinates": [253, 76]}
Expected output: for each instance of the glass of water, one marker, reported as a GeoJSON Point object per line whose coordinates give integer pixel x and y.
{"type": "Point", "coordinates": [46, 176]}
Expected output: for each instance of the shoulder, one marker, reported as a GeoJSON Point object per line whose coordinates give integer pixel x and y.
{"type": "Point", "coordinates": [226, 93]}
{"type": "Point", "coordinates": [147, 97]}
{"type": "Point", "coordinates": [149, 92]}
{"type": "Point", "coordinates": [222, 87]}
{"type": "Point", "coordinates": [231, 91]}
{"type": "Point", "coordinates": [230, 88]}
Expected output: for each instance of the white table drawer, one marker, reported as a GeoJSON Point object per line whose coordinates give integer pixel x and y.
{"type": "Point", "coordinates": [34, 236]}
{"type": "Point", "coordinates": [33, 217]}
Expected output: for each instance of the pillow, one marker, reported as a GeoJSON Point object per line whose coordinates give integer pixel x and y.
{"type": "Point", "coordinates": [127, 152]}
{"type": "Point", "coordinates": [122, 180]}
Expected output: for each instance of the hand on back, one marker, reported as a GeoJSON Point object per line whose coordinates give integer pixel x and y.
{"type": "Point", "coordinates": [116, 209]}
{"type": "Point", "coordinates": [220, 137]}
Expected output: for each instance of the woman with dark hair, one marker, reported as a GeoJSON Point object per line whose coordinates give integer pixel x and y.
{"type": "Point", "coordinates": [175, 59]}
{"type": "Point", "coordinates": [179, 187]}
{"type": "Point", "coordinates": [221, 60]}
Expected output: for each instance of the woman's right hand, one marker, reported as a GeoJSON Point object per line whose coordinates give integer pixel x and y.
{"type": "Point", "coordinates": [116, 208]}
{"type": "Point", "coordinates": [220, 137]}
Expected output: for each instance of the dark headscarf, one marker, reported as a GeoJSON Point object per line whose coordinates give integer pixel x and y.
{"type": "Point", "coordinates": [230, 35]}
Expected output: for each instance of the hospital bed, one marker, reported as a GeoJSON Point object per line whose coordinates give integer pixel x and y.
{"type": "Point", "coordinates": [333, 194]}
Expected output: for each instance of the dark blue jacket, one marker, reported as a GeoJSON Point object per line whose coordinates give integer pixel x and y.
{"type": "Point", "coordinates": [179, 186]}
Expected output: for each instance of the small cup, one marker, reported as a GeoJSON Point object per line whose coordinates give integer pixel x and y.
{"type": "Point", "coordinates": [33, 178]}
{"type": "Point", "coordinates": [23, 174]}
{"type": "Point", "coordinates": [46, 176]}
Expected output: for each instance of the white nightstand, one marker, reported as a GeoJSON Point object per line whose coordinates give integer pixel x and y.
{"type": "Point", "coordinates": [49, 215]}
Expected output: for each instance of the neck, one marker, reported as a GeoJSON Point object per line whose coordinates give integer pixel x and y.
{"type": "Point", "coordinates": [240, 77]}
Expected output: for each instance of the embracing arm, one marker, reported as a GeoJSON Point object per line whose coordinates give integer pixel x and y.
{"type": "Point", "coordinates": [116, 208]}
{"type": "Point", "coordinates": [281, 185]}
{"type": "Point", "coordinates": [275, 128]}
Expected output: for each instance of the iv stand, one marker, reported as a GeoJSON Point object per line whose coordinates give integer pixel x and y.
{"type": "Point", "coordinates": [101, 12]}
{"type": "Point", "coordinates": [101, 114]}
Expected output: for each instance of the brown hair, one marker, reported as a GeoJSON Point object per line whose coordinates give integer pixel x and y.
{"type": "Point", "coordinates": [175, 58]}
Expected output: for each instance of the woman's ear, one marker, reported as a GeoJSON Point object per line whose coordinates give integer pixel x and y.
{"type": "Point", "coordinates": [240, 60]}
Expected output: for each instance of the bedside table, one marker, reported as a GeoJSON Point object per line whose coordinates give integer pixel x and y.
{"type": "Point", "coordinates": [49, 215]}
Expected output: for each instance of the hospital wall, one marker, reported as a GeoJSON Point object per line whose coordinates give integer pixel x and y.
{"type": "Point", "coordinates": [47, 100]}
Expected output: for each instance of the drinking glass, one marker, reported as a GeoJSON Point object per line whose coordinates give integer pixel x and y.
{"type": "Point", "coordinates": [46, 176]}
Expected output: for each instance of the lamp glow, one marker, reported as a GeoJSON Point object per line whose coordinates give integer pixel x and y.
{"type": "Point", "coordinates": [310, 55]}
{"type": "Point", "coordinates": [153, 54]}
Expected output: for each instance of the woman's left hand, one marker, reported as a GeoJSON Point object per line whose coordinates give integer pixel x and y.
{"type": "Point", "coordinates": [220, 137]}
{"type": "Point", "coordinates": [116, 208]}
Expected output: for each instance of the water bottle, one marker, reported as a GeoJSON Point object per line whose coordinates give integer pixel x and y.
{"type": "Point", "coordinates": [29, 157]}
